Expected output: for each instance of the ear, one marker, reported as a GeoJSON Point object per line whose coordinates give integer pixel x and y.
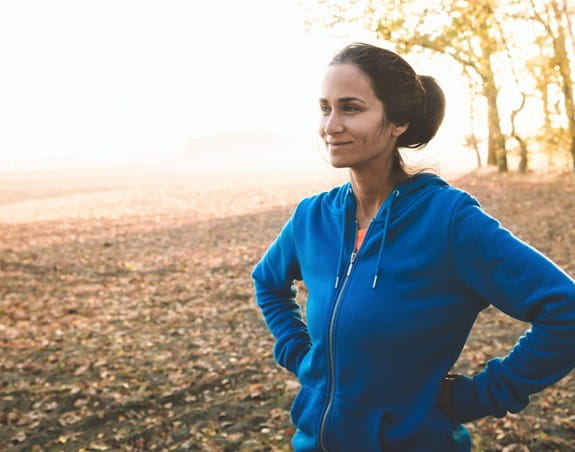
{"type": "Point", "coordinates": [397, 130]}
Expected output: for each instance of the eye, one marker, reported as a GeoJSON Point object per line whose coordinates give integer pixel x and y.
{"type": "Point", "coordinates": [349, 108]}
{"type": "Point", "coordinates": [324, 108]}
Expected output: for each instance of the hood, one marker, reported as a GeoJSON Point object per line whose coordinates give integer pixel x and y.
{"type": "Point", "coordinates": [397, 203]}
{"type": "Point", "coordinates": [401, 198]}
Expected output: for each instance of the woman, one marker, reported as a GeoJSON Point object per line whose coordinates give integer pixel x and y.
{"type": "Point", "coordinates": [397, 268]}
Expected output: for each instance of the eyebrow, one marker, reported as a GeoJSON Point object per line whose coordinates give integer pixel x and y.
{"type": "Point", "coordinates": [345, 99]}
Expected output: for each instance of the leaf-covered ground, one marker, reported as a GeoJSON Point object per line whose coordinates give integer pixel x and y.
{"type": "Point", "coordinates": [127, 318]}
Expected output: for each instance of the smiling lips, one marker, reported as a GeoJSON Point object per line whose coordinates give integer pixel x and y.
{"type": "Point", "coordinates": [338, 144]}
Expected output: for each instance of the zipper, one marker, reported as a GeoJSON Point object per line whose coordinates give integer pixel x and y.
{"type": "Point", "coordinates": [331, 358]}
{"type": "Point", "coordinates": [354, 254]}
{"type": "Point", "coordinates": [331, 353]}
{"type": "Point", "coordinates": [323, 424]}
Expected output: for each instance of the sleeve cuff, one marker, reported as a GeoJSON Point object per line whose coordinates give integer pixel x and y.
{"type": "Point", "coordinates": [301, 355]}
{"type": "Point", "coordinates": [465, 403]}
{"type": "Point", "coordinates": [290, 355]}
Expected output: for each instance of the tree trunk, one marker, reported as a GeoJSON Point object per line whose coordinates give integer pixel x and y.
{"type": "Point", "coordinates": [478, 154]}
{"type": "Point", "coordinates": [496, 142]}
{"type": "Point", "coordinates": [562, 59]}
{"type": "Point", "coordinates": [496, 154]}
{"type": "Point", "coordinates": [567, 89]}
{"type": "Point", "coordinates": [569, 25]}
{"type": "Point", "coordinates": [524, 159]}
{"type": "Point", "coordinates": [567, 93]}
{"type": "Point", "coordinates": [472, 138]}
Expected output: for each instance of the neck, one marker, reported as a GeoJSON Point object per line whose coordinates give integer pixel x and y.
{"type": "Point", "coordinates": [371, 187]}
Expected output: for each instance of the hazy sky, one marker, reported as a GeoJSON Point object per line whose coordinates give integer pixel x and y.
{"type": "Point", "coordinates": [97, 81]}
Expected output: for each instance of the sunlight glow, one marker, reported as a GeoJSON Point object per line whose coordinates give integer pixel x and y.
{"type": "Point", "coordinates": [131, 81]}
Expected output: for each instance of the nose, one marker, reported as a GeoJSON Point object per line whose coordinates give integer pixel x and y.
{"type": "Point", "coordinates": [332, 124]}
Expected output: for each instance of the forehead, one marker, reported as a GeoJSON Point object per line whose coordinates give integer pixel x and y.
{"type": "Point", "coordinates": [346, 80]}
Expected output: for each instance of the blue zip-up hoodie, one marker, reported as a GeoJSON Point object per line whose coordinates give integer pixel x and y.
{"type": "Point", "coordinates": [385, 326]}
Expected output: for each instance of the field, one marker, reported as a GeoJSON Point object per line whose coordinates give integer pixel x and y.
{"type": "Point", "coordinates": [127, 318]}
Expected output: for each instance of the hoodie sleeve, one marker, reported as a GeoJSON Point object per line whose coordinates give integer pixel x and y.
{"type": "Point", "coordinates": [520, 281]}
{"type": "Point", "coordinates": [275, 295]}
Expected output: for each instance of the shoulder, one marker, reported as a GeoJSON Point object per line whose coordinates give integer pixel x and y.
{"type": "Point", "coordinates": [458, 196]}
{"type": "Point", "coordinates": [429, 194]}
{"type": "Point", "coordinates": [333, 201]}
{"type": "Point", "coordinates": [457, 205]}
{"type": "Point", "coordinates": [447, 195]}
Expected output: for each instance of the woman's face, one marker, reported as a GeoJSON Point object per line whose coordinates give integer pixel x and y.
{"type": "Point", "coordinates": [353, 124]}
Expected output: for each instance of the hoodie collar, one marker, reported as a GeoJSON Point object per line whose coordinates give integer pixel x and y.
{"type": "Point", "coordinates": [397, 201]}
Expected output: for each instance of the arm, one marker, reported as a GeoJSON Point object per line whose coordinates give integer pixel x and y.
{"type": "Point", "coordinates": [273, 279]}
{"type": "Point", "coordinates": [523, 283]}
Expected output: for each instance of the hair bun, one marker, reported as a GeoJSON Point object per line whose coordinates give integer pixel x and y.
{"type": "Point", "coordinates": [426, 117]}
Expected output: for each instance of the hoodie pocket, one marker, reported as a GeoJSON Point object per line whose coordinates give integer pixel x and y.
{"type": "Point", "coordinates": [435, 432]}
{"type": "Point", "coordinates": [351, 423]}
{"type": "Point", "coordinates": [305, 415]}
{"type": "Point", "coordinates": [456, 435]}
{"type": "Point", "coordinates": [297, 405]}
{"type": "Point", "coordinates": [306, 408]}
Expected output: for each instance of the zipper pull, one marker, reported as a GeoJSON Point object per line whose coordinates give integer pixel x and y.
{"type": "Point", "coordinates": [351, 259]}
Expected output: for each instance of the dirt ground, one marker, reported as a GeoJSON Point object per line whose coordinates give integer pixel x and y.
{"type": "Point", "coordinates": [127, 318]}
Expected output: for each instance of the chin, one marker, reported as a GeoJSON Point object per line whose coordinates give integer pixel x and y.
{"type": "Point", "coordinates": [339, 160]}
{"type": "Point", "coordinates": [337, 163]}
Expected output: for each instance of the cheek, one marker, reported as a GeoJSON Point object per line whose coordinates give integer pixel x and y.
{"type": "Point", "coordinates": [321, 127]}
{"type": "Point", "coordinates": [378, 134]}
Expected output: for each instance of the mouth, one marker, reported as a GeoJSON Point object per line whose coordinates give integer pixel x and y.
{"type": "Point", "coordinates": [337, 144]}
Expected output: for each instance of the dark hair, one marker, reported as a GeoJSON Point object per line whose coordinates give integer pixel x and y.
{"type": "Point", "coordinates": [407, 98]}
